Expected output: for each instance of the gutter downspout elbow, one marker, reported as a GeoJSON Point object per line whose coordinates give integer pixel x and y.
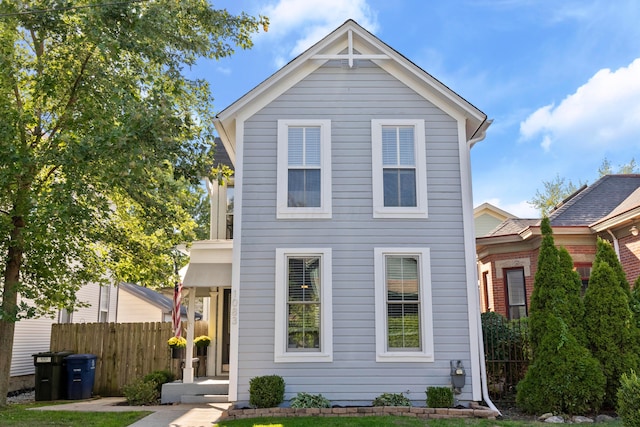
{"type": "Point", "coordinates": [483, 369]}
{"type": "Point", "coordinates": [616, 245]}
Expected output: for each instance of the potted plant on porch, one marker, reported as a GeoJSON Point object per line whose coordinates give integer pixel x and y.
{"type": "Point", "coordinates": [177, 345]}
{"type": "Point", "coordinates": [202, 342]}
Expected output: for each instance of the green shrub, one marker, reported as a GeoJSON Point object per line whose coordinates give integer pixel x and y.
{"type": "Point", "coordinates": [159, 377]}
{"type": "Point", "coordinates": [392, 399]}
{"type": "Point", "coordinates": [629, 400]}
{"type": "Point", "coordinates": [305, 400]}
{"type": "Point", "coordinates": [439, 397]}
{"type": "Point", "coordinates": [609, 322]}
{"type": "Point", "coordinates": [564, 377]}
{"type": "Point", "coordinates": [141, 393]}
{"type": "Point", "coordinates": [504, 342]}
{"type": "Point", "coordinates": [266, 391]}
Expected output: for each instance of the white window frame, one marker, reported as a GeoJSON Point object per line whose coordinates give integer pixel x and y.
{"type": "Point", "coordinates": [281, 355]}
{"type": "Point", "coordinates": [426, 353]}
{"type": "Point", "coordinates": [379, 209]}
{"type": "Point", "coordinates": [284, 211]}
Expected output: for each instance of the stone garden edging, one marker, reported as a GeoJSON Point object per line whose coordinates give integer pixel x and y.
{"type": "Point", "coordinates": [407, 411]}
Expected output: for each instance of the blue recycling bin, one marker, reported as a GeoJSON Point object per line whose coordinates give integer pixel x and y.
{"type": "Point", "coordinates": [81, 374]}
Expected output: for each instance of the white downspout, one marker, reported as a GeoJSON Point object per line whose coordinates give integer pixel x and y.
{"type": "Point", "coordinates": [483, 368]}
{"type": "Point", "coordinates": [616, 245]}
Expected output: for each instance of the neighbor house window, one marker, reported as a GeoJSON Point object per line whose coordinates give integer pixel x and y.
{"type": "Point", "coordinates": [399, 169]}
{"type": "Point", "coordinates": [584, 270]}
{"type": "Point", "coordinates": [516, 292]}
{"type": "Point", "coordinates": [105, 294]}
{"type": "Point", "coordinates": [304, 169]}
{"type": "Point", "coordinates": [303, 305]}
{"type": "Point", "coordinates": [404, 326]}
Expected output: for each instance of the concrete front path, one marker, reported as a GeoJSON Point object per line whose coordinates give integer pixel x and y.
{"type": "Point", "coordinates": [182, 415]}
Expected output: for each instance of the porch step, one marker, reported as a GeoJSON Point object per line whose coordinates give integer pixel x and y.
{"type": "Point", "coordinates": [202, 388]}
{"type": "Point", "coordinates": [204, 398]}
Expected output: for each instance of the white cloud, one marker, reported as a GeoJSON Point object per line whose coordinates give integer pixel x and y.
{"type": "Point", "coordinates": [604, 113]}
{"type": "Point", "coordinates": [297, 24]}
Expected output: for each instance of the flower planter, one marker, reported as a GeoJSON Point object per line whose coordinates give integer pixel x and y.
{"type": "Point", "coordinates": [201, 351]}
{"type": "Point", "coordinates": [177, 352]}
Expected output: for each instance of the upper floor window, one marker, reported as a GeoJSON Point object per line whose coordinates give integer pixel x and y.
{"type": "Point", "coordinates": [399, 169]}
{"type": "Point", "coordinates": [304, 169]}
{"type": "Point", "coordinates": [404, 325]}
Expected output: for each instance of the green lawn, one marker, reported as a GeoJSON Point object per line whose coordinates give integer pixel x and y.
{"type": "Point", "coordinates": [20, 416]}
{"type": "Point", "coordinates": [383, 421]}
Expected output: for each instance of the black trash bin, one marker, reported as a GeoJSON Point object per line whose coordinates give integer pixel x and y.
{"type": "Point", "coordinates": [81, 374]}
{"type": "Point", "coordinates": [51, 375]}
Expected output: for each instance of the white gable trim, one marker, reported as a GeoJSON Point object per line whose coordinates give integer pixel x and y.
{"type": "Point", "coordinates": [349, 36]}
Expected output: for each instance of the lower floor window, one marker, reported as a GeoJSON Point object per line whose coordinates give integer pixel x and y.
{"type": "Point", "coordinates": [516, 293]}
{"type": "Point", "coordinates": [404, 330]}
{"type": "Point", "coordinates": [303, 329]}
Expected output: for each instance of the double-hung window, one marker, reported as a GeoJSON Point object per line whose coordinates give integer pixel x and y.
{"type": "Point", "coordinates": [399, 169]}
{"type": "Point", "coordinates": [404, 330]}
{"type": "Point", "coordinates": [303, 329]}
{"type": "Point", "coordinates": [516, 292]}
{"type": "Point", "coordinates": [304, 169]}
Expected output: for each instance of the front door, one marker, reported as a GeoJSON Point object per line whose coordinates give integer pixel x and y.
{"type": "Point", "coordinates": [226, 330]}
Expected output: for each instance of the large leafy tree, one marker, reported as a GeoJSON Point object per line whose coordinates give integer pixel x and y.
{"type": "Point", "coordinates": [102, 139]}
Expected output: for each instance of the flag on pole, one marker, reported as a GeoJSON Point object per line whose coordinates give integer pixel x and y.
{"type": "Point", "coordinates": [175, 314]}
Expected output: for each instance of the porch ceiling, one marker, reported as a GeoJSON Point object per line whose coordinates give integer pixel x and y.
{"type": "Point", "coordinates": [207, 275]}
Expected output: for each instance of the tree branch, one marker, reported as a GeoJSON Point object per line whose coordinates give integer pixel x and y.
{"type": "Point", "coordinates": [72, 96]}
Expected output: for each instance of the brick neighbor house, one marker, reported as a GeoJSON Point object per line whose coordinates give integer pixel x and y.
{"type": "Point", "coordinates": [508, 255]}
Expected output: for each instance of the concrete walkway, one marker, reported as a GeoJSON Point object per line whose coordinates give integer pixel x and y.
{"type": "Point", "coordinates": [182, 415]}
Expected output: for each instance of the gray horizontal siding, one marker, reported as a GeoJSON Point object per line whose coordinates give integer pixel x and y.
{"type": "Point", "coordinates": [351, 99]}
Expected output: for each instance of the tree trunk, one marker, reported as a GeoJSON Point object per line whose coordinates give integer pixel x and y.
{"type": "Point", "coordinates": [9, 307]}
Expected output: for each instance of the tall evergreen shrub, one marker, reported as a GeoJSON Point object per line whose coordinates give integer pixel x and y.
{"type": "Point", "coordinates": [564, 376]}
{"type": "Point", "coordinates": [610, 326]}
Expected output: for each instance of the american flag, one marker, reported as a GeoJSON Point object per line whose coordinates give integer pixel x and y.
{"type": "Point", "coordinates": [175, 314]}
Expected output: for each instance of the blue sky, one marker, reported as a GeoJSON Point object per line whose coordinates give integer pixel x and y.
{"type": "Point", "coordinates": [559, 78]}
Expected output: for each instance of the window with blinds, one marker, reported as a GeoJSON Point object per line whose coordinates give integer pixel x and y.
{"type": "Point", "coordinates": [399, 168]}
{"type": "Point", "coordinates": [303, 303]}
{"type": "Point", "coordinates": [403, 306]}
{"type": "Point", "coordinates": [403, 302]}
{"type": "Point", "coordinates": [303, 311]}
{"type": "Point", "coordinates": [304, 169]}
{"type": "Point", "coordinates": [304, 183]}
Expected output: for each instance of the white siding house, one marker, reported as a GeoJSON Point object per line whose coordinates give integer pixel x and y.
{"type": "Point", "coordinates": [353, 259]}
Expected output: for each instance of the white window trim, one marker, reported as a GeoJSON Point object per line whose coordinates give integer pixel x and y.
{"type": "Point", "coordinates": [281, 355]}
{"type": "Point", "coordinates": [379, 209]}
{"type": "Point", "coordinates": [284, 211]}
{"type": "Point", "coordinates": [426, 354]}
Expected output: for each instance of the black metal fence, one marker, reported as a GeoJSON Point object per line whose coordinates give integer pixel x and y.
{"type": "Point", "coordinates": [507, 355]}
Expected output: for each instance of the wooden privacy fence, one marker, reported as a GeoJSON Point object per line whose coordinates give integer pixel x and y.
{"type": "Point", "coordinates": [125, 351]}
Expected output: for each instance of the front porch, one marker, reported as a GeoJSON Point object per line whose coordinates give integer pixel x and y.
{"type": "Point", "coordinates": [201, 390]}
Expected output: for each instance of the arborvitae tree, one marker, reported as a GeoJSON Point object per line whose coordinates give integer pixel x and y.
{"type": "Point", "coordinates": [564, 376]}
{"type": "Point", "coordinates": [634, 303]}
{"type": "Point", "coordinates": [545, 288]}
{"type": "Point", "coordinates": [573, 310]}
{"type": "Point", "coordinates": [609, 324]}
{"type": "Point", "coordinates": [606, 253]}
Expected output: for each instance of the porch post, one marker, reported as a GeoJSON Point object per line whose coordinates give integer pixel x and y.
{"type": "Point", "coordinates": [187, 373]}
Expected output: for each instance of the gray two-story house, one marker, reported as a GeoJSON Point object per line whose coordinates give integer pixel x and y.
{"type": "Point", "coordinates": [353, 256]}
